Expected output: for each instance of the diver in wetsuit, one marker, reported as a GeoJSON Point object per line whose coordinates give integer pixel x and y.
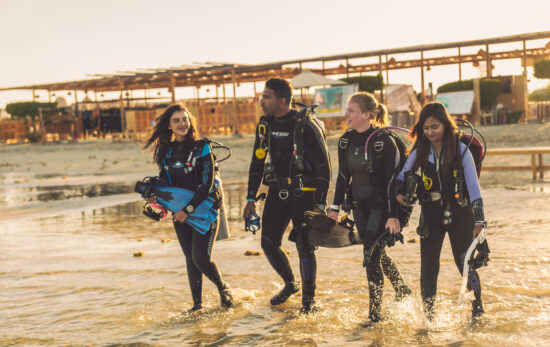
{"type": "Point", "coordinates": [188, 163]}
{"type": "Point", "coordinates": [435, 160]}
{"type": "Point", "coordinates": [373, 210]}
{"type": "Point", "coordinates": [298, 182]}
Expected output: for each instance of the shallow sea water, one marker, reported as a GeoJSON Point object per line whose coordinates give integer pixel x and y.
{"type": "Point", "coordinates": [68, 277]}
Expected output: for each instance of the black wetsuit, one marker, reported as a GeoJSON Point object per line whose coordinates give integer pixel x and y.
{"type": "Point", "coordinates": [197, 247]}
{"type": "Point", "coordinates": [432, 228]}
{"type": "Point", "coordinates": [371, 206]}
{"type": "Point", "coordinates": [278, 212]}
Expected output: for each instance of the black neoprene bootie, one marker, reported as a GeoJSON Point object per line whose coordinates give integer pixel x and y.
{"type": "Point", "coordinates": [225, 296]}
{"type": "Point", "coordinates": [196, 306]}
{"type": "Point", "coordinates": [402, 292]}
{"type": "Point", "coordinates": [477, 305]}
{"type": "Point", "coordinates": [308, 301]}
{"type": "Point", "coordinates": [429, 310]}
{"type": "Point", "coordinates": [375, 302]}
{"type": "Point", "coordinates": [289, 289]}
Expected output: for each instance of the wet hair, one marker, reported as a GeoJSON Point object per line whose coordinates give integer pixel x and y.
{"type": "Point", "coordinates": [421, 143]}
{"type": "Point", "coordinates": [368, 103]}
{"type": "Point", "coordinates": [281, 87]}
{"type": "Point", "coordinates": [162, 135]}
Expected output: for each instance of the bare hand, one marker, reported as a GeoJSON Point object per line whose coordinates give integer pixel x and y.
{"type": "Point", "coordinates": [400, 198]}
{"type": "Point", "coordinates": [249, 208]}
{"type": "Point", "coordinates": [477, 229]}
{"type": "Point", "coordinates": [333, 215]}
{"type": "Point", "coordinates": [179, 216]}
{"type": "Point", "coordinates": [393, 225]}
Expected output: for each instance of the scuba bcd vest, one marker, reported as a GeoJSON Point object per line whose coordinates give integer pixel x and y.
{"type": "Point", "coordinates": [475, 143]}
{"type": "Point", "coordinates": [190, 163]}
{"type": "Point", "coordinates": [304, 116]}
{"type": "Point", "coordinates": [374, 156]}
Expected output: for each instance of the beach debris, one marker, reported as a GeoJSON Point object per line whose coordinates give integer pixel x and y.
{"type": "Point", "coordinates": [138, 254]}
{"type": "Point", "coordinates": [250, 252]}
{"type": "Point", "coordinates": [413, 240]}
{"type": "Point", "coordinates": [165, 240]}
{"type": "Point", "coordinates": [139, 239]}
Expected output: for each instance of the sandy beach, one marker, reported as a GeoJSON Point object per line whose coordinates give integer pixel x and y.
{"type": "Point", "coordinates": [70, 224]}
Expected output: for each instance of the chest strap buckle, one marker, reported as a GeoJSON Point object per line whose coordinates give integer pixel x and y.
{"type": "Point", "coordinates": [431, 196]}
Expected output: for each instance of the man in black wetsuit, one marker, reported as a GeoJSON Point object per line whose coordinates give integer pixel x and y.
{"type": "Point", "coordinates": [298, 182]}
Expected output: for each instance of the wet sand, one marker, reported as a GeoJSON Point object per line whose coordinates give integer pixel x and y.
{"type": "Point", "coordinates": [70, 224]}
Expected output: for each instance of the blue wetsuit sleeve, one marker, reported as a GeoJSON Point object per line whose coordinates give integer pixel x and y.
{"type": "Point", "coordinates": [408, 166]}
{"type": "Point", "coordinates": [204, 176]}
{"type": "Point", "coordinates": [255, 173]}
{"type": "Point", "coordinates": [470, 174]}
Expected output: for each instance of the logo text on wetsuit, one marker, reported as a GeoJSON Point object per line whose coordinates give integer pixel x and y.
{"type": "Point", "coordinates": [280, 133]}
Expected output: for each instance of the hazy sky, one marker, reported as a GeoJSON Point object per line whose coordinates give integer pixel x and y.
{"type": "Point", "coordinates": [45, 41]}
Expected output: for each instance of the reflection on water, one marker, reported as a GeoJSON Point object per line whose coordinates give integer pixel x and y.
{"type": "Point", "coordinates": [16, 195]}
{"type": "Point", "coordinates": [72, 280]}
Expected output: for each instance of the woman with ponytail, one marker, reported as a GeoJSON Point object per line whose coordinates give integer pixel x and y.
{"type": "Point", "coordinates": [365, 191]}
{"type": "Point", "coordinates": [187, 162]}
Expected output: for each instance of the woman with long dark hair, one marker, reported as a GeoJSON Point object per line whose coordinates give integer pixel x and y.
{"type": "Point", "coordinates": [373, 207]}
{"type": "Point", "coordinates": [187, 162]}
{"type": "Point", "coordinates": [441, 164]}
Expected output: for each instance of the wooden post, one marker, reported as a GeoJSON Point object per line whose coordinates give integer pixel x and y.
{"type": "Point", "coordinates": [459, 65]}
{"type": "Point", "coordinates": [489, 70]}
{"type": "Point", "coordinates": [533, 166]}
{"type": "Point", "coordinates": [477, 103]}
{"type": "Point", "coordinates": [387, 71]}
{"type": "Point", "coordinates": [423, 91]}
{"type": "Point", "coordinates": [347, 67]}
{"type": "Point", "coordinates": [173, 87]}
{"type": "Point", "coordinates": [541, 167]}
{"type": "Point", "coordinates": [122, 113]}
{"type": "Point", "coordinates": [42, 127]}
{"type": "Point", "coordinates": [234, 115]}
{"type": "Point", "coordinates": [75, 132]}
{"type": "Point", "coordinates": [224, 92]}
{"type": "Point", "coordinates": [380, 73]}
{"type": "Point", "coordinates": [145, 94]}
{"type": "Point", "coordinates": [49, 95]}
{"type": "Point", "coordinates": [33, 94]}
{"type": "Point", "coordinates": [198, 96]}
{"type": "Point", "coordinates": [217, 93]}
{"type": "Point", "coordinates": [323, 66]}
{"type": "Point", "coordinates": [524, 60]}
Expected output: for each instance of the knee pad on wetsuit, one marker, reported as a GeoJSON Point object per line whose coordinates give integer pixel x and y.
{"type": "Point", "coordinates": [268, 246]}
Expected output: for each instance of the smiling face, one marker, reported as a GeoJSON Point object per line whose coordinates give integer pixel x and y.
{"type": "Point", "coordinates": [357, 119]}
{"type": "Point", "coordinates": [433, 130]}
{"type": "Point", "coordinates": [180, 124]}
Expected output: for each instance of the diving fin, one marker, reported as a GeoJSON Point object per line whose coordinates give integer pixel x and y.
{"type": "Point", "coordinates": [326, 232]}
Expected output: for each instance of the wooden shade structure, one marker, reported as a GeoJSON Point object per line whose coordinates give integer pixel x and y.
{"type": "Point", "coordinates": [211, 73]}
